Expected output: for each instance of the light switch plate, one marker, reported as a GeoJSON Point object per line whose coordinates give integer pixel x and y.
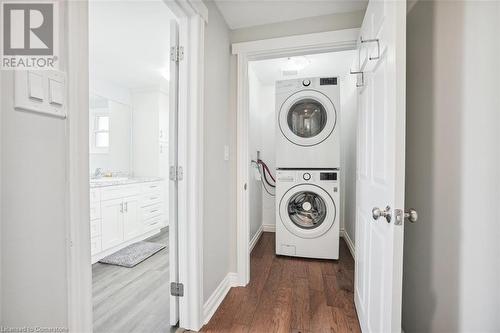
{"type": "Point", "coordinates": [56, 92]}
{"type": "Point", "coordinates": [226, 153]}
{"type": "Point", "coordinates": [41, 91]}
{"type": "Point", "coordinates": [35, 86]}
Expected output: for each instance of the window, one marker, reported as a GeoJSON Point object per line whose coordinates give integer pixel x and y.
{"type": "Point", "coordinates": [99, 134]}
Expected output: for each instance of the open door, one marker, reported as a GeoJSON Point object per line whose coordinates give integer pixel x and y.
{"type": "Point", "coordinates": [173, 173]}
{"type": "Point", "coordinates": [381, 167]}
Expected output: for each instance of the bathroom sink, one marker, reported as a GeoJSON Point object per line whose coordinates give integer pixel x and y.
{"type": "Point", "coordinates": [108, 179]}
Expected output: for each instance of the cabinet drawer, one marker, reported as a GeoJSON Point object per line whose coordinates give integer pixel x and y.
{"type": "Point", "coordinates": [152, 223]}
{"type": "Point", "coordinates": [149, 187]}
{"type": "Point", "coordinates": [95, 245]}
{"type": "Point", "coordinates": [115, 192]}
{"type": "Point", "coordinates": [95, 228]}
{"type": "Point", "coordinates": [95, 210]}
{"type": "Point", "coordinates": [152, 211]}
{"type": "Point", "coordinates": [151, 198]}
{"type": "Point", "coordinates": [95, 195]}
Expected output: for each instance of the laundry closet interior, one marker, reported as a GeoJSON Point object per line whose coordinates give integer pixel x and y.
{"type": "Point", "coordinates": [302, 134]}
{"type": "Point", "coordinates": [299, 98]}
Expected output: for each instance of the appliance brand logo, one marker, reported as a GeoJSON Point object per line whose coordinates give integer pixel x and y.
{"type": "Point", "coordinates": [30, 35]}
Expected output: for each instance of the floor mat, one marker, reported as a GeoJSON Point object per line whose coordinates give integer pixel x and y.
{"type": "Point", "coordinates": [133, 254]}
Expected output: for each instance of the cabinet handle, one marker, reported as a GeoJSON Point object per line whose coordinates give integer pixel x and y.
{"type": "Point", "coordinates": [121, 207]}
{"type": "Point", "coordinates": [126, 206]}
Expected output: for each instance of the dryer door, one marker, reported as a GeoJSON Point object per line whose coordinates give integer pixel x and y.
{"type": "Point", "coordinates": [307, 118]}
{"type": "Point", "coordinates": [307, 211]}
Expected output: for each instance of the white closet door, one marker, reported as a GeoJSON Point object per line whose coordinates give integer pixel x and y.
{"type": "Point", "coordinates": [381, 166]}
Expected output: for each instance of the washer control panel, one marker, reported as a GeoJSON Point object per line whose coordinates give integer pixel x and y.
{"type": "Point", "coordinates": [309, 176]}
{"type": "Point", "coordinates": [328, 176]}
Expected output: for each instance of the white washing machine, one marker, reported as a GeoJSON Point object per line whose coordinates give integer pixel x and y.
{"type": "Point", "coordinates": [307, 213]}
{"type": "Point", "coordinates": [307, 134]}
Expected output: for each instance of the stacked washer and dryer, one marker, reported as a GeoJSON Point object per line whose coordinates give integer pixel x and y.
{"type": "Point", "coordinates": [307, 163]}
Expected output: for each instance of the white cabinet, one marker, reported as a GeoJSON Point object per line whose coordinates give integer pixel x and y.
{"type": "Point", "coordinates": [132, 224]}
{"type": "Point", "coordinates": [112, 223]}
{"type": "Point", "coordinates": [150, 132]}
{"type": "Point", "coordinates": [124, 214]}
{"type": "Point", "coordinates": [95, 221]}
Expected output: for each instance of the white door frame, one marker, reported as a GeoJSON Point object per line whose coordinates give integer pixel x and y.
{"type": "Point", "coordinates": [192, 16]}
{"type": "Point", "coordinates": [321, 42]}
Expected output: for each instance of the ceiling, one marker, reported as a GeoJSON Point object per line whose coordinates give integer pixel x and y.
{"type": "Point", "coordinates": [325, 64]}
{"type": "Point", "coordinates": [248, 13]}
{"type": "Point", "coordinates": [129, 42]}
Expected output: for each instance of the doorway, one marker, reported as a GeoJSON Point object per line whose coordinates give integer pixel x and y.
{"type": "Point", "coordinates": [305, 291]}
{"type": "Point", "coordinates": [184, 311]}
{"type": "Point", "coordinates": [129, 165]}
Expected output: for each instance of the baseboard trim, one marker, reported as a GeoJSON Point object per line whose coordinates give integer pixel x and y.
{"type": "Point", "coordinates": [269, 228]}
{"type": "Point", "coordinates": [255, 239]}
{"type": "Point", "coordinates": [215, 300]}
{"type": "Point", "coordinates": [350, 243]}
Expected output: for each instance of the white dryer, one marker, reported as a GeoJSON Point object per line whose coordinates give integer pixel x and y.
{"type": "Point", "coordinates": [307, 124]}
{"type": "Point", "coordinates": [307, 213]}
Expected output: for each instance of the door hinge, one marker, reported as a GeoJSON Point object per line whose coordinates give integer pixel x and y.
{"type": "Point", "coordinates": [177, 53]}
{"type": "Point", "coordinates": [176, 289]}
{"type": "Point", "coordinates": [175, 173]}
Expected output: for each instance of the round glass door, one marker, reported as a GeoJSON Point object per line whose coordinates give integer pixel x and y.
{"type": "Point", "coordinates": [307, 210]}
{"type": "Point", "coordinates": [307, 118]}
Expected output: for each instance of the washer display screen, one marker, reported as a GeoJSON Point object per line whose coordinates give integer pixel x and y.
{"type": "Point", "coordinates": [307, 209]}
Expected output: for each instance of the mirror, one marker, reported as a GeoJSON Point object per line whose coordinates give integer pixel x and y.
{"type": "Point", "coordinates": [109, 134]}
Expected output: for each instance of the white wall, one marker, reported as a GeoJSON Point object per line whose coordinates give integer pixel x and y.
{"type": "Point", "coordinates": [451, 264]}
{"type": "Point", "coordinates": [299, 27]}
{"type": "Point", "coordinates": [255, 143]}
{"type": "Point", "coordinates": [33, 217]}
{"type": "Point", "coordinates": [219, 175]}
{"type": "Point", "coordinates": [268, 128]}
{"type": "Point", "coordinates": [262, 138]}
{"type": "Point", "coordinates": [109, 90]}
{"type": "Point", "coordinates": [348, 136]}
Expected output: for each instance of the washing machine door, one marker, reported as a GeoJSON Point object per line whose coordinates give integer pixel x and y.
{"type": "Point", "coordinates": [307, 211]}
{"type": "Point", "coordinates": [307, 118]}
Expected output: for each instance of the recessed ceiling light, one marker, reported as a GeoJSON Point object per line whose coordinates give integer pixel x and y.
{"type": "Point", "coordinates": [295, 64]}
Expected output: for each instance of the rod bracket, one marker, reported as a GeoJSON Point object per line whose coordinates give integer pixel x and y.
{"type": "Point", "coordinates": [374, 40]}
{"type": "Point", "coordinates": [362, 77]}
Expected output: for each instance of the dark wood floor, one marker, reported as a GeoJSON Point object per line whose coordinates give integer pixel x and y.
{"type": "Point", "coordinates": [290, 295]}
{"type": "Point", "coordinates": [133, 299]}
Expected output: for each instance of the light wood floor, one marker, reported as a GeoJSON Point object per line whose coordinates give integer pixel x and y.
{"type": "Point", "coordinates": [133, 299]}
{"type": "Point", "coordinates": [290, 295]}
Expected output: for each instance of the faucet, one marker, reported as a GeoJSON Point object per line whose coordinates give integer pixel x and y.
{"type": "Point", "coordinates": [98, 173]}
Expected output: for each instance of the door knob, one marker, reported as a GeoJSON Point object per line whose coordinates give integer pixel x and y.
{"type": "Point", "coordinates": [410, 214]}
{"type": "Point", "coordinates": [377, 213]}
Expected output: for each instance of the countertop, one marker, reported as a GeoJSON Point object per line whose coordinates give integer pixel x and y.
{"type": "Point", "coordinates": [133, 180]}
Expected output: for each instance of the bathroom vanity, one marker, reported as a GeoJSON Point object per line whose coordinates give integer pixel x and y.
{"type": "Point", "coordinates": [124, 211]}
